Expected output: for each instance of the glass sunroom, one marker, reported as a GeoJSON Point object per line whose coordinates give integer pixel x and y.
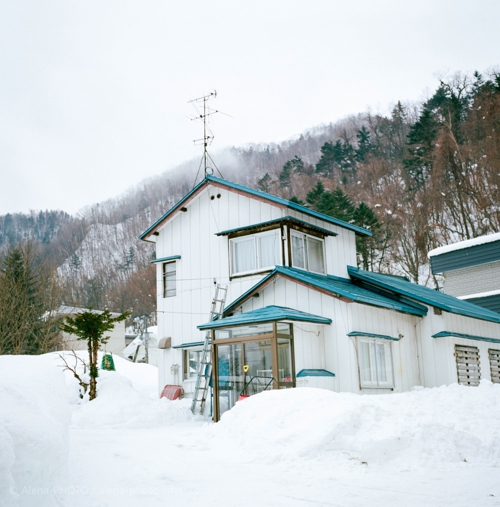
{"type": "Point", "coordinates": [253, 352]}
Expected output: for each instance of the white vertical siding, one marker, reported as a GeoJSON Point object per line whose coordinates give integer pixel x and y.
{"type": "Point", "coordinates": [328, 346]}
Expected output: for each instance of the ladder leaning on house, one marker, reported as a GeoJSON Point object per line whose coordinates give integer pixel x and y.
{"type": "Point", "coordinates": [205, 366]}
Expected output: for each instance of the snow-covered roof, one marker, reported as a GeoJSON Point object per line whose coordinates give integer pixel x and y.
{"type": "Point", "coordinates": [480, 294]}
{"type": "Point", "coordinates": [465, 244]}
{"type": "Point", "coordinates": [70, 310]}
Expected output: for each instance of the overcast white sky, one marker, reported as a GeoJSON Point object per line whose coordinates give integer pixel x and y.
{"type": "Point", "coordinates": [93, 93]}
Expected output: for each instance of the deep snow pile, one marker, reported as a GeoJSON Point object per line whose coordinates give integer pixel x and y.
{"type": "Point", "coordinates": [128, 398]}
{"type": "Point", "coordinates": [34, 423]}
{"type": "Point", "coordinates": [38, 404]}
{"type": "Point", "coordinates": [436, 427]}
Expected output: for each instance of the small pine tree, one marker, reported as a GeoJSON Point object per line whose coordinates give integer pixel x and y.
{"type": "Point", "coordinates": [90, 326]}
{"type": "Point", "coordinates": [265, 183]}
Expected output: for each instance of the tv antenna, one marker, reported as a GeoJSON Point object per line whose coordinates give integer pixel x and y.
{"type": "Point", "coordinates": [203, 114]}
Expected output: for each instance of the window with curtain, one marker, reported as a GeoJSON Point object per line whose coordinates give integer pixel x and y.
{"type": "Point", "coordinates": [256, 252]}
{"type": "Point", "coordinates": [307, 252]}
{"type": "Point", "coordinates": [375, 363]}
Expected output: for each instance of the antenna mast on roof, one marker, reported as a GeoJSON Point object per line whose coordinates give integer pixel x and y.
{"type": "Point", "coordinates": [202, 114]}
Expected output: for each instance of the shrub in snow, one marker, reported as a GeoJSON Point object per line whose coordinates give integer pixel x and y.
{"type": "Point", "coordinates": [90, 326]}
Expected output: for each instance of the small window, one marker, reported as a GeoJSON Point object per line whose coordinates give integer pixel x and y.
{"type": "Point", "coordinates": [192, 360]}
{"type": "Point", "coordinates": [494, 365]}
{"type": "Point", "coordinates": [468, 365]}
{"type": "Point", "coordinates": [375, 363]}
{"type": "Point", "coordinates": [169, 279]}
{"type": "Point", "coordinates": [307, 252]}
{"type": "Point", "coordinates": [255, 253]}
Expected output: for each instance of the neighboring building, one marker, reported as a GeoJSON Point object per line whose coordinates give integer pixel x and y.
{"type": "Point", "coordinates": [135, 350]}
{"type": "Point", "coordinates": [471, 270]}
{"type": "Point", "coordinates": [298, 311]}
{"type": "Point", "coordinates": [115, 344]}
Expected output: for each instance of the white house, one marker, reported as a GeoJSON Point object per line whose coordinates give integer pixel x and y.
{"type": "Point", "coordinates": [298, 310]}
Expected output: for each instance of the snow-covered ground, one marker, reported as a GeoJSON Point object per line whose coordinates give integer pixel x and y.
{"type": "Point", "coordinates": [432, 447]}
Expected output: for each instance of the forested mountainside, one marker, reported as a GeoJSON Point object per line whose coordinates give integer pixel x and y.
{"type": "Point", "coordinates": [420, 177]}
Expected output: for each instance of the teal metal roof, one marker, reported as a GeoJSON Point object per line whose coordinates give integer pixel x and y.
{"type": "Point", "coordinates": [165, 259]}
{"type": "Point", "coordinates": [336, 286]}
{"type": "Point", "coordinates": [422, 294]}
{"type": "Point", "coordinates": [188, 345]}
{"type": "Point", "coordinates": [310, 372]}
{"type": "Point", "coordinates": [257, 193]}
{"type": "Point", "coordinates": [444, 334]}
{"type": "Point", "coordinates": [287, 219]}
{"type": "Point", "coordinates": [266, 314]}
{"type": "Point", "coordinates": [373, 335]}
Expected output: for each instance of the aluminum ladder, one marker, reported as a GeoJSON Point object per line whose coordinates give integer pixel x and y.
{"type": "Point", "coordinates": [205, 367]}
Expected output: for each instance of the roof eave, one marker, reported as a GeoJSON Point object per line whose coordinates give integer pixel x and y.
{"type": "Point", "coordinates": [147, 233]}
{"type": "Point", "coordinates": [422, 299]}
{"type": "Point", "coordinates": [288, 204]}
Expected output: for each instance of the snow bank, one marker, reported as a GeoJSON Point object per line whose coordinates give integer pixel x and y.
{"type": "Point", "coordinates": [423, 427]}
{"type": "Point", "coordinates": [34, 423]}
{"type": "Point", "coordinates": [128, 398]}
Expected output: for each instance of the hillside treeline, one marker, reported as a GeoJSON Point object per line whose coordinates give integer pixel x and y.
{"type": "Point", "coordinates": [418, 177]}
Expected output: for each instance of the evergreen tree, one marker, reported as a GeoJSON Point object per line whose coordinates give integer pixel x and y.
{"type": "Point", "coordinates": [367, 246]}
{"type": "Point", "coordinates": [27, 303]}
{"type": "Point", "coordinates": [338, 158]}
{"type": "Point", "coordinates": [364, 144]}
{"type": "Point", "coordinates": [285, 176]}
{"type": "Point", "coordinates": [313, 197]}
{"type": "Point", "coordinates": [421, 142]}
{"type": "Point", "coordinates": [337, 204]}
{"type": "Point", "coordinates": [330, 153]}
{"type": "Point", "coordinates": [296, 200]}
{"type": "Point", "coordinates": [265, 183]}
{"type": "Point", "coordinates": [90, 326]}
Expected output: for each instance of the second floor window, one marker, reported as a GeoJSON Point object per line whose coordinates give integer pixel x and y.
{"type": "Point", "coordinates": [255, 253]}
{"type": "Point", "coordinates": [169, 279]}
{"type": "Point", "coordinates": [307, 252]}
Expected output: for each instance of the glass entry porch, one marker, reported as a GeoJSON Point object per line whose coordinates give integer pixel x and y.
{"type": "Point", "coordinates": [250, 359]}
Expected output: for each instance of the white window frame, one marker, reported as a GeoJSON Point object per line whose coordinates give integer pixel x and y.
{"type": "Point", "coordinates": [258, 267]}
{"type": "Point", "coordinates": [166, 280]}
{"type": "Point", "coordinates": [375, 382]}
{"type": "Point", "coordinates": [304, 237]}
{"type": "Point", "coordinates": [187, 352]}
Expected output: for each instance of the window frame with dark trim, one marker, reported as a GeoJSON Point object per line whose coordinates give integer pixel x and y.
{"type": "Point", "coordinates": [233, 241]}
{"type": "Point", "coordinates": [284, 228]}
{"type": "Point", "coordinates": [306, 237]}
{"type": "Point", "coordinates": [169, 279]}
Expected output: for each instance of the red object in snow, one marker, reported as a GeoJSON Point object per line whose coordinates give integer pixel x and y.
{"type": "Point", "coordinates": [243, 397]}
{"type": "Point", "coordinates": [171, 392]}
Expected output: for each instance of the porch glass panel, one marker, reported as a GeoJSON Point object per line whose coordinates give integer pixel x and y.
{"type": "Point", "coordinates": [285, 374]}
{"type": "Point", "coordinates": [230, 375]}
{"type": "Point", "coordinates": [236, 332]}
{"type": "Point", "coordinates": [265, 351]}
{"type": "Point", "coordinates": [258, 358]}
